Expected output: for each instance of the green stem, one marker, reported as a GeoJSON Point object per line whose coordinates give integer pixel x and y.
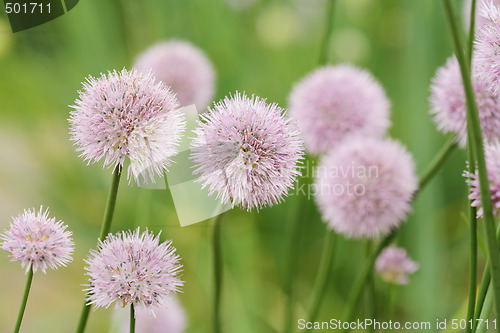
{"type": "Point", "coordinates": [325, 267]}
{"type": "Point", "coordinates": [370, 285]}
{"type": "Point", "coordinates": [472, 270]}
{"type": "Point", "coordinates": [218, 267]}
{"type": "Point", "coordinates": [473, 247]}
{"type": "Point", "coordinates": [472, 210]}
{"type": "Point", "coordinates": [391, 301]}
{"type": "Point", "coordinates": [323, 52]}
{"type": "Point", "coordinates": [478, 149]}
{"type": "Point", "coordinates": [292, 251]}
{"type": "Point", "coordinates": [481, 295]}
{"type": "Point", "coordinates": [359, 284]}
{"type": "Point", "coordinates": [105, 228]}
{"type": "Point", "coordinates": [437, 162]}
{"type": "Point", "coordinates": [132, 318]}
{"type": "Point", "coordinates": [470, 46]}
{"type": "Point", "coordinates": [486, 313]}
{"type": "Point", "coordinates": [24, 300]}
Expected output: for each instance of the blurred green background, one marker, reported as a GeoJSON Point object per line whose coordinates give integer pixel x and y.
{"type": "Point", "coordinates": [257, 46]}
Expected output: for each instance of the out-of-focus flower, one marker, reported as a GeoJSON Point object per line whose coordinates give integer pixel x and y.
{"type": "Point", "coordinates": [492, 155]}
{"type": "Point", "coordinates": [38, 241]}
{"type": "Point", "coordinates": [448, 103]}
{"type": "Point", "coordinates": [183, 67]}
{"type": "Point", "coordinates": [131, 267]}
{"type": "Point", "coordinates": [169, 317]}
{"type": "Point", "coordinates": [127, 114]}
{"type": "Point", "coordinates": [247, 152]}
{"type": "Point", "coordinates": [394, 265]}
{"type": "Point", "coordinates": [364, 187]}
{"type": "Point", "coordinates": [337, 102]}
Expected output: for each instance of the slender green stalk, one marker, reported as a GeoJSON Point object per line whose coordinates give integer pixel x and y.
{"type": "Point", "coordinates": [481, 295]}
{"type": "Point", "coordinates": [478, 149]}
{"type": "Point", "coordinates": [323, 51]}
{"type": "Point", "coordinates": [105, 228]}
{"type": "Point", "coordinates": [472, 210]}
{"type": "Point", "coordinates": [437, 162]}
{"type": "Point", "coordinates": [370, 286]}
{"type": "Point", "coordinates": [391, 301]}
{"type": "Point", "coordinates": [292, 252]}
{"type": "Point", "coordinates": [323, 276]}
{"type": "Point", "coordinates": [132, 318]}
{"type": "Point", "coordinates": [24, 300]}
{"type": "Point", "coordinates": [472, 26]}
{"type": "Point", "coordinates": [484, 285]}
{"type": "Point", "coordinates": [218, 267]}
{"type": "Point", "coordinates": [359, 284]}
{"type": "Point", "coordinates": [486, 313]}
{"type": "Point", "coordinates": [472, 269]}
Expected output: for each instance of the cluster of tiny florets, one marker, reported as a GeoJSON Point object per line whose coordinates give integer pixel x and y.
{"type": "Point", "coordinates": [448, 103]}
{"type": "Point", "coordinates": [394, 265]}
{"type": "Point", "coordinates": [364, 188]}
{"type": "Point", "coordinates": [38, 241]}
{"type": "Point", "coordinates": [247, 152]}
{"type": "Point", "coordinates": [487, 45]}
{"type": "Point", "coordinates": [123, 115]}
{"type": "Point", "coordinates": [492, 155]}
{"type": "Point", "coordinates": [334, 103]}
{"type": "Point", "coordinates": [131, 267]}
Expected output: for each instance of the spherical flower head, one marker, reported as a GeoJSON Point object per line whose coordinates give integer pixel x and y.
{"type": "Point", "coordinates": [132, 268]}
{"type": "Point", "coordinates": [364, 188]}
{"type": "Point", "coordinates": [487, 45]}
{"type": "Point", "coordinates": [38, 241]}
{"type": "Point", "coordinates": [169, 317]}
{"type": "Point", "coordinates": [394, 265]}
{"type": "Point", "coordinates": [334, 103]}
{"type": "Point", "coordinates": [492, 155]}
{"type": "Point", "coordinates": [448, 103]}
{"type": "Point", "coordinates": [182, 66]}
{"type": "Point", "coordinates": [247, 152]}
{"type": "Point", "coordinates": [480, 20]}
{"type": "Point", "coordinates": [127, 114]}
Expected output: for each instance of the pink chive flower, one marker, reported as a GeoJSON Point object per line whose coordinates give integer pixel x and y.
{"type": "Point", "coordinates": [247, 152]}
{"type": "Point", "coordinates": [127, 115]}
{"type": "Point", "coordinates": [364, 188]}
{"type": "Point", "coordinates": [169, 317]}
{"type": "Point", "coordinates": [38, 241]}
{"type": "Point", "coordinates": [334, 103]}
{"type": "Point", "coordinates": [131, 267]}
{"type": "Point", "coordinates": [492, 155]}
{"type": "Point", "coordinates": [448, 103]}
{"type": "Point", "coordinates": [488, 45]}
{"type": "Point", "coordinates": [182, 66]}
{"type": "Point", "coordinates": [480, 20]}
{"type": "Point", "coordinates": [394, 265]}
